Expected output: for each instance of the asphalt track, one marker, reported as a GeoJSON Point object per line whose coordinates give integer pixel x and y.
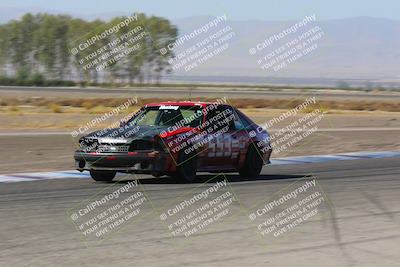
{"type": "Point", "coordinates": [200, 92]}
{"type": "Point", "coordinates": [361, 227]}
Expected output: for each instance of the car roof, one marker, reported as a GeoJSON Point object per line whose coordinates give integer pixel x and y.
{"type": "Point", "coordinates": [179, 103]}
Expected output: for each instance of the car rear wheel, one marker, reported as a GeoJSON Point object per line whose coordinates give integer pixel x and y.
{"type": "Point", "coordinates": [187, 167]}
{"type": "Point", "coordinates": [103, 176]}
{"type": "Point", "coordinates": [253, 164]}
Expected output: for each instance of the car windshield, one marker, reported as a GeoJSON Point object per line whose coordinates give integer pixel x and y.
{"type": "Point", "coordinates": [168, 116]}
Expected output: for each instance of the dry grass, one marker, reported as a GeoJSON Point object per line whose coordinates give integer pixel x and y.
{"type": "Point", "coordinates": [390, 106]}
{"type": "Point", "coordinates": [14, 110]}
{"type": "Point", "coordinates": [55, 108]}
{"type": "Point", "coordinates": [100, 105]}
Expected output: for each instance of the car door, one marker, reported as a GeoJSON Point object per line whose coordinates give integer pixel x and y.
{"type": "Point", "coordinates": [225, 143]}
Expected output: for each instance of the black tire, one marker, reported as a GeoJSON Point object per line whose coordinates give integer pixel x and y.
{"type": "Point", "coordinates": [187, 168]}
{"type": "Point", "coordinates": [103, 176]}
{"type": "Point", "coordinates": [253, 163]}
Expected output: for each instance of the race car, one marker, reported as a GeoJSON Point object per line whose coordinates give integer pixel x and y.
{"type": "Point", "coordinates": [177, 139]}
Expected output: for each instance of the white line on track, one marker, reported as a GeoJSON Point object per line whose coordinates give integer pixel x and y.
{"type": "Point", "coordinates": [35, 176]}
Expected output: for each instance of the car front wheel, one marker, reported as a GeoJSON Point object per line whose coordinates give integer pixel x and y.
{"type": "Point", "coordinates": [186, 169]}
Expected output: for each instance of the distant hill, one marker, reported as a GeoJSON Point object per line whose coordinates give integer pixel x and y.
{"type": "Point", "coordinates": [366, 48]}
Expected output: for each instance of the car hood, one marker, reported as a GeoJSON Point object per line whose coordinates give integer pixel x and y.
{"type": "Point", "coordinates": [126, 134]}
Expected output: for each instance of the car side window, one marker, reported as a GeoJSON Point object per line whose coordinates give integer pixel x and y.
{"type": "Point", "coordinates": [243, 121]}
{"type": "Point", "coordinates": [230, 117]}
{"type": "Point", "coordinates": [237, 121]}
{"type": "Point", "coordinates": [223, 113]}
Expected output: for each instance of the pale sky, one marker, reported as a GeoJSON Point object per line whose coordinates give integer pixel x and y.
{"type": "Point", "coordinates": [235, 9]}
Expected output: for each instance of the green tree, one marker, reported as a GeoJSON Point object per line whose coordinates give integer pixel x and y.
{"type": "Point", "coordinates": [162, 33]}
{"type": "Point", "coordinates": [4, 48]}
{"type": "Point", "coordinates": [39, 46]}
{"type": "Point", "coordinates": [51, 43]}
{"type": "Point", "coordinates": [21, 42]}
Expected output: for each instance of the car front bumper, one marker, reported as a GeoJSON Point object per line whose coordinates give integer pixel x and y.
{"type": "Point", "coordinates": [149, 162]}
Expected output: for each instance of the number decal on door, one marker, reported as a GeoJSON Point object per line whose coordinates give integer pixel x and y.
{"type": "Point", "coordinates": [224, 146]}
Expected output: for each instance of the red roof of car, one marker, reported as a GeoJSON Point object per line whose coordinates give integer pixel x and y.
{"type": "Point", "coordinates": [179, 103]}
